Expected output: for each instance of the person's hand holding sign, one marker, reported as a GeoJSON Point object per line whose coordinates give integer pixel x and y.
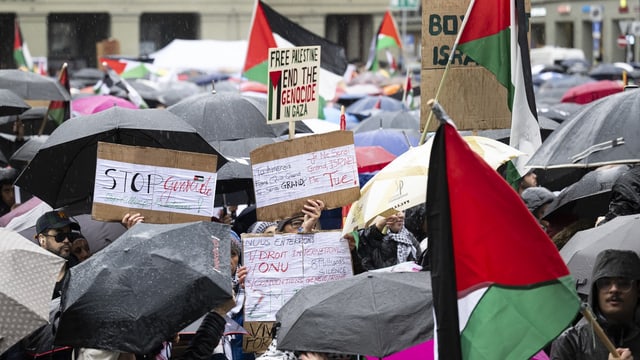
{"type": "Point", "coordinates": [312, 211]}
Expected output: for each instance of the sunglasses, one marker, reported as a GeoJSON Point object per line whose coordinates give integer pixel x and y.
{"type": "Point", "coordinates": [61, 236]}
{"type": "Point", "coordinates": [623, 285]}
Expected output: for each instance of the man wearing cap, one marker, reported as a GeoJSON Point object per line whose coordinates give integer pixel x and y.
{"type": "Point", "coordinates": [614, 300]}
{"type": "Point", "coordinates": [53, 231]}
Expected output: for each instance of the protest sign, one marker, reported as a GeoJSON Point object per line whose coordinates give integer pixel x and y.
{"type": "Point", "coordinates": [166, 186]}
{"type": "Point", "coordinates": [259, 336]}
{"type": "Point", "coordinates": [293, 91]}
{"type": "Point", "coordinates": [287, 173]}
{"type": "Point", "coordinates": [279, 265]}
{"type": "Point", "coordinates": [471, 94]}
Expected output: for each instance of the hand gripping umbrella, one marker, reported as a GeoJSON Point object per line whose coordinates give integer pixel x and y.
{"type": "Point", "coordinates": [63, 171]}
{"type": "Point", "coordinates": [27, 277]}
{"type": "Point", "coordinates": [151, 282]}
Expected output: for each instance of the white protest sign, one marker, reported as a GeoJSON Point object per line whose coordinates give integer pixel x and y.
{"type": "Point", "coordinates": [282, 264]}
{"type": "Point", "coordinates": [156, 188]}
{"type": "Point", "coordinates": [305, 175]}
{"type": "Point", "coordinates": [293, 84]}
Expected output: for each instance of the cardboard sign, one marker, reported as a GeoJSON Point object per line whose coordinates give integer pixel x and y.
{"type": "Point", "coordinates": [471, 95]}
{"type": "Point", "coordinates": [260, 336]}
{"type": "Point", "coordinates": [293, 83]}
{"type": "Point", "coordinates": [287, 173]}
{"type": "Point", "coordinates": [282, 264]}
{"type": "Point", "coordinates": [166, 186]}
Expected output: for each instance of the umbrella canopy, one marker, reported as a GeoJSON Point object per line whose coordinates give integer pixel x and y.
{"type": "Point", "coordinates": [174, 92]}
{"type": "Point", "coordinates": [72, 147]}
{"type": "Point", "coordinates": [28, 274]}
{"type": "Point", "coordinates": [27, 151]}
{"type": "Point", "coordinates": [237, 175]}
{"type": "Point", "coordinates": [367, 103]}
{"type": "Point", "coordinates": [11, 104]}
{"type": "Point", "coordinates": [605, 71]}
{"type": "Point", "coordinates": [588, 92]}
{"type": "Point", "coordinates": [550, 92]}
{"type": "Point", "coordinates": [588, 197]}
{"type": "Point", "coordinates": [180, 270]}
{"type": "Point", "coordinates": [403, 182]}
{"type": "Point", "coordinates": [580, 252]}
{"type": "Point", "coordinates": [559, 112]}
{"type": "Point", "coordinates": [359, 315]}
{"type": "Point", "coordinates": [93, 104]}
{"type": "Point", "coordinates": [32, 86]}
{"type": "Point", "coordinates": [389, 120]}
{"type": "Point", "coordinates": [372, 158]}
{"type": "Point", "coordinates": [604, 132]}
{"type": "Point", "coordinates": [225, 116]}
{"type": "Point", "coordinates": [395, 141]}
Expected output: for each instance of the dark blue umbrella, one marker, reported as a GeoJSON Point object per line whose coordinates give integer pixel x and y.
{"type": "Point", "coordinates": [395, 141]}
{"type": "Point", "coordinates": [370, 102]}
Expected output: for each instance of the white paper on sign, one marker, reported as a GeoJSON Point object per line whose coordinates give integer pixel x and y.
{"type": "Point", "coordinates": [278, 266]}
{"type": "Point", "coordinates": [154, 187]}
{"type": "Point", "coordinates": [305, 175]}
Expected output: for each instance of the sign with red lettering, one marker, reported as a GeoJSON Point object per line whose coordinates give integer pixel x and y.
{"type": "Point", "coordinates": [166, 186]}
{"type": "Point", "coordinates": [287, 173]}
{"type": "Point", "coordinates": [293, 84]}
{"type": "Point", "coordinates": [280, 265]}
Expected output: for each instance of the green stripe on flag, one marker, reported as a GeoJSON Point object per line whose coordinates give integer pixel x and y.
{"type": "Point", "coordinates": [523, 317]}
{"type": "Point", "coordinates": [258, 73]}
{"type": "Point", "coordinates": [385, 42]}
{"type": "Point", "coordinates": [492, 52]}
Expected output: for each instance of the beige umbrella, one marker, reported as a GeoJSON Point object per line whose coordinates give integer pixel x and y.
{"type": "Point", "coordinates": [28, 275]}
{"type": "Point", "coordinates": [403, 182]}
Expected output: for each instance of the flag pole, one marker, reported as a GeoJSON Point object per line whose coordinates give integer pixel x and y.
{"type": "Point", "coordinates": [43, 124]}
{"type": "Point", "coordinates": [586, 312]}
{"type": "Point", "coordinates": [423, 136]}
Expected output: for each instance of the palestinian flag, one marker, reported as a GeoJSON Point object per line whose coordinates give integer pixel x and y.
{"type": "Point", "coordinates": [494, 34]}
{"type": "Point", "coordinates": [60, 111]}
{"type": "Point", "coordinates": [113, 80]}
{"type": "Point", "coordinates": [387, 37]}
{"type": "Point", "coordinates": [270, 29]}
{"type": "Point", "coordinates": [21, 53]}
{"type": "Point", "coordinates": [500, 287]}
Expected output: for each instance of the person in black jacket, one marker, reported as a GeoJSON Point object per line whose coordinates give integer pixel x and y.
{"type": "Point", "coordinates": [386, 243]}
{"type": "Point", "coordinates": [614, 300]}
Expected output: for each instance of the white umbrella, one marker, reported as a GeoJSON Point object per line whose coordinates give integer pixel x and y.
{"type": "Point", "coordinates": [403, 182]}
{"type": "Point", "coordinates": [28, 275]}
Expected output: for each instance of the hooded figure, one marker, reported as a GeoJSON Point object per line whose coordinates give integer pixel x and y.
{"type": "Point", "coordinates": [625, 195]}
{"type": "Point", "coordinates": [614, 300]}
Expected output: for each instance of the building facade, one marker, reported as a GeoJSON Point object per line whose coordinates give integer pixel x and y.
{"type": "Point", "coordinates": [68, 30]}
{"type": "Point", "coordinates": [607, 31]}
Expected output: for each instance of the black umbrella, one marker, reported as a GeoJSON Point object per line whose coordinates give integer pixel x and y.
{"type": "Point", "coordinates": [580, 252]}
{"type": "Point", "coordinates": [588, 197]}
{"type": "Point", "coordinates": [236, 174]}
{"type": "Point", "coordinates": [32, 86]}
{"type": "Point", "coordinates": [606, 71]}
{"type": "Point", "coordinates": [172, 93]}
{"type": "Point", "coordinates": [31, 121]}
{"type": "Point", "coordinates": [72, 148]}
{"type": "Point", "coordinates": [373, 313]}
{"type": "Point", "coordinates": [11, 104]}
{"type": "Point", "coordinates": [606, 131]}
{"type": "Point", "coordinates": [389, 120]}
{"type": "Point", "coordinates": [559, 112]}
{"type": "Point", "coordinates": [151, 282]}
{"type": "Point", "coordinates": [225, 116]}
{"type": "Point", "coordinates": [27, 151]}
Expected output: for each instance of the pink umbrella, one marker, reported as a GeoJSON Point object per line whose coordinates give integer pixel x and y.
{"type": "Point", "coordinates": [424, 351]}
{"type": "Point", "coordinates": [94, 104]}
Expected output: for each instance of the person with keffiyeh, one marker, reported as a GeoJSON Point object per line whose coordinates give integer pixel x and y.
{"type": "Point", "coordinates": [386, 243]}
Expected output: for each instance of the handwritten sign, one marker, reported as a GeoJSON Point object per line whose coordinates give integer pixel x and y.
{"type": "Point", "coordinates": [180, 187]}
{"type": "Point", "coordinates": [293, 83]}
{"type": "Point", "coordinates": [320, 166]}
{"type": "Point", "coordinates": [282, 264]}
{"type": "Point", "coordinates": [259, 337]}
